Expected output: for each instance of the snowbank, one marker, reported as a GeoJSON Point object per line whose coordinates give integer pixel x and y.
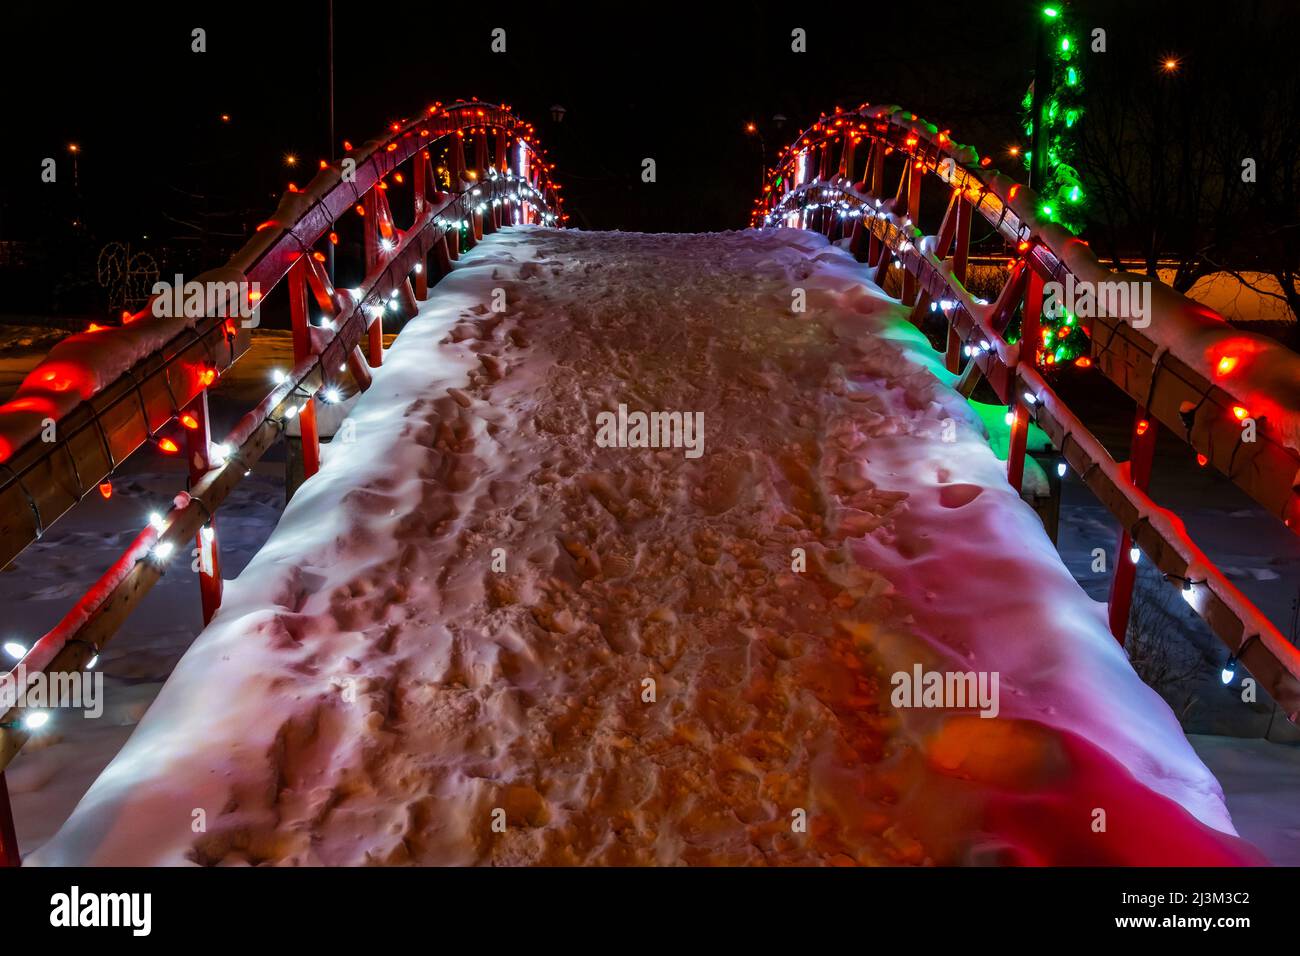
{"type": "Point", "coordinates": [478, 637]}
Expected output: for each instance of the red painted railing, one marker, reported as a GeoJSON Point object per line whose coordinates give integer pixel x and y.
{"type": "Point", "coordinates": [1184, 366]}
{"type": "Point", "coordinates": [111, 390]}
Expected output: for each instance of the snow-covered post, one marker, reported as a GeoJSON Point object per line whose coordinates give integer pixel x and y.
{"type": "Point", "coordinates": [1030, 331]}
{"type": "Point", "coordinates": [198, 441]}
{"type": "Point", "coordinates": [1142, 447]}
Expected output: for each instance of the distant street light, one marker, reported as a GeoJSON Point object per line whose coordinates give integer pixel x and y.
{"type": "Point", "coordinates": [1170, 64]}
{"type": "Point", "coordinates": [752, 129]}
{"type": "Point", "coordinates": [557, 113]}
{"type": "Point", "coordinates": [290, 159]}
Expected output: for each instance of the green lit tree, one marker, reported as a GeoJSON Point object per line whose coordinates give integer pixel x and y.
{"type": "Point", "coordinates": [1056, 178]}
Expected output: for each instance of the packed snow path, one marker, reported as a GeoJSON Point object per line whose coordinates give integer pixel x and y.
{"type": "Point", "coordinates": [478, 636]}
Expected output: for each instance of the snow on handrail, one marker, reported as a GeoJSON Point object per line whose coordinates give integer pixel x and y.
{"type": "Point", "coordinates": [1225, 374]}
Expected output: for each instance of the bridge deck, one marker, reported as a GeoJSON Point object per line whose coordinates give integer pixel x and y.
{"type": "Point", "coordinates": [381, 679]}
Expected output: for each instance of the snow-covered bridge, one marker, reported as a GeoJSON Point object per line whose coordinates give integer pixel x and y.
{"type": "Point", "coordinates": [631, 549]}
{"type": "Point", "coordinates": [638, 656]}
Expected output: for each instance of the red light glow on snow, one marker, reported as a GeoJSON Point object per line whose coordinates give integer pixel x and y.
{"type": "Point", "coordinates": [64, 377]}
{"type": "Point", "coordinates": [41, 406]}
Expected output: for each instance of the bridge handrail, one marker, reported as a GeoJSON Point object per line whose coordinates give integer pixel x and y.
{"type": "Point", "coordinates": [1165, 363]}
{"type": "Point", "coordinates": [94, 385]}
{"type": "Point", "coordinates": [1250, 636]}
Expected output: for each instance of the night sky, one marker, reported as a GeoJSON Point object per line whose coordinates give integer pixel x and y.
{"type": "Point", "coordinates": [676, 83]}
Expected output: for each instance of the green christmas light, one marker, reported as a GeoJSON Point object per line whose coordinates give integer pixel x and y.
{"type": "Point", "coordinates": [1061, 196]}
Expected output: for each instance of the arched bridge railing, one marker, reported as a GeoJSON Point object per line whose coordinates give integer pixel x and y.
{"type": "Point", "coordinates": [1233, 397]}
{"type": "Point", "coordinates": [103, 394]}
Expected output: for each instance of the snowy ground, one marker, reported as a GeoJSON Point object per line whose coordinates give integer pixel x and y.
{"type": "Point", "coordinates": [1260, 780]}
{"type": "Point", "coordinates": [374, 690]}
